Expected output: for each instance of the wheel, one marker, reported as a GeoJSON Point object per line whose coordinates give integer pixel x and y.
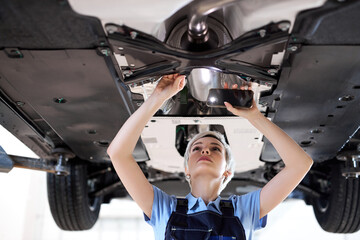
{"type": "Point", "coordinates": [338, 211]}
{"type": "Point", "coordinates": [71, 206]}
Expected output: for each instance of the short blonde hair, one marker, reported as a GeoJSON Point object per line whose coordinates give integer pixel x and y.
{"type": "Point", "coordinates": [230, 163]}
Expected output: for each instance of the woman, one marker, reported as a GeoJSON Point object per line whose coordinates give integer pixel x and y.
{"type": "Point", "coordinates": [202, 215]}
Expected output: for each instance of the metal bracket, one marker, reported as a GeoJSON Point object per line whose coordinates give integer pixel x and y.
{"type": "Point", "coordinates": [63, 155]}
{"type": "Point", "coordinates": [13, 53]}
{"type": "Point", "coordinates": [163, 58]}
{"type": "Point", "coordinates": [104, 51]}
{"type": "Point", "coordinates": [352, 166]}
{"type": "Point", "coordinates": [33, 163]}
{"type": "Point", "coordinates": [6, 164]}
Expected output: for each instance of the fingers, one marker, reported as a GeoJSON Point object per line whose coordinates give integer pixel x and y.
{"type": "Point", "coordinates": [230, 108]}
{"type": "Point", "coordinates": [235, 86]}
{"type": "Point", "coordinates": [180, 81]}
{"type": "Point", "coordinates": [246, 87]}
{"type": "Point", "coordinates": [171, 76]}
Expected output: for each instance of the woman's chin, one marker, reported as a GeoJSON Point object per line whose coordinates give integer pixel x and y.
{"type": "Point", "coordinates": [202, 171]}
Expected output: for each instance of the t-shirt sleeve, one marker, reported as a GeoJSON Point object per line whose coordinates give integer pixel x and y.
{"type": "Point", "coordinates": [247, 208]}
{"type": "Point", "coordinates": [162, 207]}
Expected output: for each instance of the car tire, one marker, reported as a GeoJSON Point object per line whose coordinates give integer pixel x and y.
{"type": "Point", "coordinates": [338, 211]}
{"type": "Point", "coordinates": [70, 204]}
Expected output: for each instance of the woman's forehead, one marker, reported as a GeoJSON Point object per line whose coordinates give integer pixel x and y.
{"type": "Point", "coordinates": [208, 140]}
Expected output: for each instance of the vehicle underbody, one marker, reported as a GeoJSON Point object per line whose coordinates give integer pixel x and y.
{"type": "Point", "coordinates": [68, 82]}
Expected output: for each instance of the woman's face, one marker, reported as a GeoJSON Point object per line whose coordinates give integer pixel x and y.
{"type": "Point", "coordinates": [207, 156]}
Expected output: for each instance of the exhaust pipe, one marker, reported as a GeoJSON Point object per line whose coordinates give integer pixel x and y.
{"type": "Point", "coordinates": [198, 31]}
{"type": "Point", "coordinates": [201, 80]}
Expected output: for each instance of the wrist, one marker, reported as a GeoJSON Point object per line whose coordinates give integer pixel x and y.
{"type": "Point", "coordinates": [158, 98]}
{"type": "Point", "coordinates": [255, 116]}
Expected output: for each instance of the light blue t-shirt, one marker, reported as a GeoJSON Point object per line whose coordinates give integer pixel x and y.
{"type": "Point", "coordinates": [246, 208]}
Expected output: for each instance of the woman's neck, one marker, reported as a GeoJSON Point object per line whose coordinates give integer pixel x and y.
{"type": "Point", "coordinates": [207, 189]}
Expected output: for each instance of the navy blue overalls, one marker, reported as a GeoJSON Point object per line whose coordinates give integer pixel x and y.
{"type": "Point", "coordinates": [207, 224]}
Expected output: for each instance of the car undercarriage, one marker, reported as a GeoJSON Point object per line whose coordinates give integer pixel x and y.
{"type": "Point", "coordinates": [70, 77]}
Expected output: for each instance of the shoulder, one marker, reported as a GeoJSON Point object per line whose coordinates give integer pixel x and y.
{"type": "Point", "coordinates": [246, 199]}
{"type": "Point", "coordinates": [164, 200]}
{"type": "Point", "coordinates": [163, 206]}
{"type": "Point", "coordinates": [247, 206]}
{"type": "Point", "coordinates": [247, 209]}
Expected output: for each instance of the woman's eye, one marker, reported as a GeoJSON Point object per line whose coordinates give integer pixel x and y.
{"type": "Point", "coordinates": [195, 149]}
{"type": "Point", "coordinates": [216, 149]}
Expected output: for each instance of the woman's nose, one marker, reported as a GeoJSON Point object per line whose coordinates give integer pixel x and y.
{"type": "Point", "coordinates": [205, 151]}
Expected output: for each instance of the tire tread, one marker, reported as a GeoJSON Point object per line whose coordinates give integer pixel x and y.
{"type": "Point", "coordinates": [68, 200]}
{"type": "Point", "coordinates": [343, 213]}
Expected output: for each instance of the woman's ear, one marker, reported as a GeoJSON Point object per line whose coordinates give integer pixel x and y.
{"type": "Point", "coordinates": [227, 173]}
{"type": "Point", "coordinates": [186, 171]}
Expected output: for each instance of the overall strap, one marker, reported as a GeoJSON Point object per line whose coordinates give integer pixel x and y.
{"type": "Point", "coordinates": [181, 205]}
{"type": "Point", "coordinates": [227, 208]}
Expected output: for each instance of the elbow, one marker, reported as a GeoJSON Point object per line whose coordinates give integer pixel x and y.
{"type": "Point", "coordinates": [304, 165]}
{"type": "Point", "coordinates": [114, 149]}
{"type": "Point", "coordinates": [309, 163]}
{"type": "Point", "coordinates": [110, 151]}
{"type": "Point", "coordinates": [116, 152]}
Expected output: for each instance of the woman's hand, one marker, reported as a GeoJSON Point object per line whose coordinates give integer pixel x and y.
{"type": "Point", "coordinates": [247, 113]}
{"type": "Point", "coordinates": [169, 85]}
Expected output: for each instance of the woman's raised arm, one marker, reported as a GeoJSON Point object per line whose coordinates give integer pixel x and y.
{"type": "Point", "coordinates": [122, 146]}
{"type": "Point", "coordinates": [297, 162]}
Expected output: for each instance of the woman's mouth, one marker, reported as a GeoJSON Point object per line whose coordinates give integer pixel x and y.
{"type": "Point", "coordinates": [203, 158]}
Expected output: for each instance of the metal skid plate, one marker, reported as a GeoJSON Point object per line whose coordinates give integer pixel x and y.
{"type": "Point", "coordinates": [319, 100]}
{"type": "Point", "coordinates": [74, 92]}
